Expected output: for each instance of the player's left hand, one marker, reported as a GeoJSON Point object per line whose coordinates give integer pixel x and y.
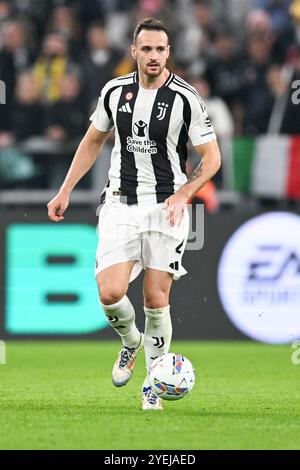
{"type": "Point", "coordinates": [175, 206]}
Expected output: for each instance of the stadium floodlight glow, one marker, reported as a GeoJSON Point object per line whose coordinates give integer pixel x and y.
{"type": "Point", "coordinates": [259, 278]}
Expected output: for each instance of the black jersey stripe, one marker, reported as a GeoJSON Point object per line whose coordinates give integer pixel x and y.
{"type": "Point", "coordinates": [158, 131]}
{"type": "Point", "coordinates": [103, 197]}
{"type": "Point", "coordinates": [114, 86]}
{"type": "Point", "coordinates": [106, 101]}
{"type": "Point", "coordinates": [195, 93]}
{"type": "Point", "coordinates": [169, 79]}
{"type": "Point", "coordinates": [179, 79]}
{"type": "Point", "coordinates": [183, 85]}
{"type": "Point", "coordinates": [187, 85]}
{"type": "Point", "coordinates": [128, 170]}
{"type": "Point", "coordinates": [181, 147]}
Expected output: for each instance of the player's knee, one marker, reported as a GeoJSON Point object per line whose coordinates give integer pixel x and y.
{"type": "Point", "coordinates": [157, 299]}
{"type": "Point", "coordinates": [111, 294]}
{"type": "Point", "coordinates": [111, 297]}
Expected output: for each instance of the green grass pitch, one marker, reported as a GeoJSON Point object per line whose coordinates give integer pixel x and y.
{"type": "Point", "coordinates": [58, 395]}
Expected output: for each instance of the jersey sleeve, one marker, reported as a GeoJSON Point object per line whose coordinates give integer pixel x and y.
{"type": "Point", "coordinates": [102, 116]}
{"type": "Point", "coordinates": [201, 130]}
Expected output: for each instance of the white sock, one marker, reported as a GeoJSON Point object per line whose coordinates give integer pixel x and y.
{"type": "Point", "coordinates": [121, 317]}
{"type": "Point", "coordinates": [158, 333]}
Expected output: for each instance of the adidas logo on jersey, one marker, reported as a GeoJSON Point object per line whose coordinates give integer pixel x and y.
{"type": "Point", "coordinates": [125, 108]}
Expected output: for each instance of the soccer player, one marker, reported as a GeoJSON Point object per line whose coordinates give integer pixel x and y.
{"type": "Point", "coordinates": [143, 223]}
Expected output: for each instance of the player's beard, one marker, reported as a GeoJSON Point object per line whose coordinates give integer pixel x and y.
{"type": "Point", "coordinates": [155, 72]}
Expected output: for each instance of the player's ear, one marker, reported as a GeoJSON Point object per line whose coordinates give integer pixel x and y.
{"type": "Point", "coordinates": [133, 51]}
{"type": "Point", "coordinates": [168, 51]}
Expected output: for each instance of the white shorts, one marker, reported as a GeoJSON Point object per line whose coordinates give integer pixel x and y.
{"type": "Point", "coordinates": [141, 234]}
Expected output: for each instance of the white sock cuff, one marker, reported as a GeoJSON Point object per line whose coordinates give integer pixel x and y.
{"type": "Point", "coordinates": [118, 304]}
{"type": "Point", "coordinates": [155, 312]}
{"type": "Point", "coordinates": [133, 329]}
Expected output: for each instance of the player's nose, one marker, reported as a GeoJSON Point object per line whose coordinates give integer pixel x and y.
{"type": "Point", "coordinates": [154, 56]}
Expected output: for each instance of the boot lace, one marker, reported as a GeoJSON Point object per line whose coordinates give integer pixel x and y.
{"type": "Point", "coordinates": [125, 357]}
{"type": "Point", "coordinates": [152, 398]}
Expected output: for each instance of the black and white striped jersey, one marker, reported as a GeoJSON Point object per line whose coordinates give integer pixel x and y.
{"type": "Point", "coordinates": [152, 128]}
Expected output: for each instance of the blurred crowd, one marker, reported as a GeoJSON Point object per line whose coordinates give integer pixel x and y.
{"type": "Point", "coordinates": [55, 56]}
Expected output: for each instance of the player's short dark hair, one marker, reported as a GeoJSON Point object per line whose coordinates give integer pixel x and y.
{"type": "Point", "coordinates": [150, 24]}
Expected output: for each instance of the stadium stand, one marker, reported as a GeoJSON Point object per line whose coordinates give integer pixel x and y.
{"type": "Point", "coordinates": [55, 56]}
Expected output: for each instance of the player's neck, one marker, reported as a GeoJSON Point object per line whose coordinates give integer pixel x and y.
{"type": "Point", "coordinates": [151, 83]}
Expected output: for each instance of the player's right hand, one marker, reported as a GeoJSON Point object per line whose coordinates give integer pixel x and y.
{"type": "Point", "coordinates": [57, 206]}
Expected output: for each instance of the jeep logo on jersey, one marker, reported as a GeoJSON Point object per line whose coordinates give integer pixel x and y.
{"type": "Point", "coordinates": [162, 107]}
{"type": "Point", "coordinates": [140, 128]}
{"type": "Point", "coordinates": [259, 277]}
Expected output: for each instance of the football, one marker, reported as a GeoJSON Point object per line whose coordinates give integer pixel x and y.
{"type": "Point", "coordinates": [171, 376]}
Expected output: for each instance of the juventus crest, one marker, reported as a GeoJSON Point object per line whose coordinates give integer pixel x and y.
{"type": "Point", "coordinates": [162, 107]}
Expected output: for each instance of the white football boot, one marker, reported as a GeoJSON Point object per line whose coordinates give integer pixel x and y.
{"type": "Point", "coordinates": [150, 401]}
{"type": "Point", "coordinates": [123, 367]}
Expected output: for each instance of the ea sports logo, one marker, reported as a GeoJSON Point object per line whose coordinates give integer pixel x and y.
{"type": "Point", "coordinates": [259, 278]}
{"type": "Point", "coordinates": [140, 128]}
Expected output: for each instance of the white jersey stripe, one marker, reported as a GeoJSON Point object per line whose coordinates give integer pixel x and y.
{"type": "Point", "coordinates": [115, 167]}
{"type": "Point", "coordinates": [140, 132]}
{"type": "Point", "coordinates": [176, 123]}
